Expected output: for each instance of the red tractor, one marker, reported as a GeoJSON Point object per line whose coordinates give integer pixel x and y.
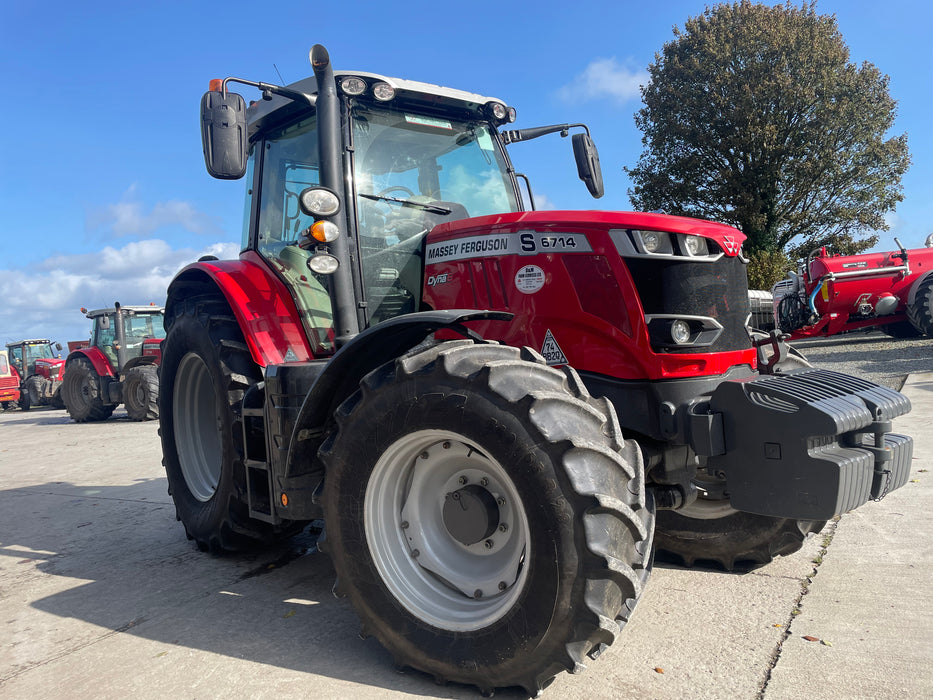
{"type": "Point", "coordinates": [118, 365]}
{"type": "Point", "coordinates": [830, 294]}
{"type": "Point", "coordinates": [407, 355]}
{"type": "Point", "coordinates": [9, 382]}
{"type": "Point", "coordinates": [40, 372]}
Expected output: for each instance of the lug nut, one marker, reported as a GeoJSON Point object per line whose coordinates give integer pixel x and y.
{"type": "Point", "coordinates": [489, 544]}
{"type": "Point", "coordinates": [424, 455]}
{"type": "Point", "coordinates": [404, 524]}
{"type": "Point", "coordinates": [415, 554]}
{"type": "Point", "coordinates": [503, 585]}
{"type": "Point", "coordinates": [500, 501]}
{"type": "Point", "coordinates": [446, 445]}
{"type": "Point", "coordinates": [462, 480]}
{"type": "Point", "coordinates": [502, 527]}
{"type": "Point", "coordinates": [477, 593]}
{"type": "Point", "coordinates": [484, 481]}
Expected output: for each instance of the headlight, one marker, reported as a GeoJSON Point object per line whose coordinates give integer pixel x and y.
{"type": "Point", "coordinates": [694, 245]}
{"type": "Point", "coordinates": [383, 92]}
{"type": "Point", "coordinates": [323, 264]}
{"type": "Point", "coordinates": [680, 332]}
{"type": "Point", "coordinates": [656, 242]}
{"type": "Point", "coordinates": [318, 201]}
{"type": "Point", "coordinates": [353, 86]}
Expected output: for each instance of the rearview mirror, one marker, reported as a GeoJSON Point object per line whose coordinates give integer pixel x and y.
{"type": "Point", "coordinates": [223, 134]}
{"type": "Point", "coordinates": [587, 157]}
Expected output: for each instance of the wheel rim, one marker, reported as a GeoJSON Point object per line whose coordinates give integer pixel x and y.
{"type": "Point", "coordinates": [139, 393]}
{"type": "Point", "coordinates": [197, 433]}
{"type": "Point", "coordinates": [424, 552]}
{"type": "Point", "coordinates": [712, 502]}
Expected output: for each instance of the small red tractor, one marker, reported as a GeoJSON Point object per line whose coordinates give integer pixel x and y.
{"type": "Point", "coordinates": [829, 294]}
{"type": "Point", "coordinates": [407, 355]}
{"type": "Point", "coordinates": [118, 365]}
{"type": "Point", "coordinates": [39, 370]}
{"type": "Point", "coordinates": [9, 382]}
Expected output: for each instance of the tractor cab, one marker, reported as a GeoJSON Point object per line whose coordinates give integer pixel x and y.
{"type": "Point", "coordinates": [343, 189]}
{"type": "Point", "coordinates": [23, 355]}
{"type": "Point", "coordinates": [119, 332]}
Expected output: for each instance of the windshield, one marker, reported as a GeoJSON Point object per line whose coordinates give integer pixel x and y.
{"type": "Point", "coordinates": [34, 352]}
{"type": "Point", "coordinates": [413, 172]}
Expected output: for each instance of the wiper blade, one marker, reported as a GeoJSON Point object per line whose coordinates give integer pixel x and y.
{"type": "Point", "coordinates": [433, 208]}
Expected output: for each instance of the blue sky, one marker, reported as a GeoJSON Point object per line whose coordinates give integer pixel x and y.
{"type": "Point", "coordinates": [103, 191]}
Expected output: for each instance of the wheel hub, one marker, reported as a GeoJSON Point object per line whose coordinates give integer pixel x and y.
{"type": "Point", "coordinates": [470, 514]}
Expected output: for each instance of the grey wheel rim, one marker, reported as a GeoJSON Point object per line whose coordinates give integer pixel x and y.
{"type": "Point", "coordinates": [436, 577]}
{"type": "Point", "coordinates": [197, 433]}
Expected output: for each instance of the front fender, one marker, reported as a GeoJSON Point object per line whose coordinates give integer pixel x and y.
{"type": "Point", "coordinates": [260, 301]}
{"type": "Point", "coordinates": [96, 357]}
{"type": "Point", "coordinates": [370, 349]}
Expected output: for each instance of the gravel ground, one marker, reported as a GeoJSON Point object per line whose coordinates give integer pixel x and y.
{"type": "Point", "coordinates": [871, 355]}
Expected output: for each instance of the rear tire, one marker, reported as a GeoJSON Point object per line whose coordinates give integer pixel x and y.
{"type": "Point", "coordinates": [205, 370]}
{"type": "Point", "coordinates": [141, 393]}
{"type": "Point", "coordinates": [551, 556]}
{"type": "Point", "coordinates": [920, 312]}
{"type": "Point", "coordinates": [81, 392]}
{"type": "Point", "coordinates": [710, 530]}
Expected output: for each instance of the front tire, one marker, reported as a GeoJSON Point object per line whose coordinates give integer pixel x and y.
{"type": "Point", "coordinates": [141, 393]}
{"type": "Point", "coordinates": [485, 518]}
{"type": "Point", "coordinates": [206, 368]}
{"type": "Point", "coordinates": [710, 530]}
{"type": "Point", "coordinates": [81, 392]}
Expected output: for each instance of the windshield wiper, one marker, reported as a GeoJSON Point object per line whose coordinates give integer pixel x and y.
{"type": "Point", "coordinates": [433, 208]}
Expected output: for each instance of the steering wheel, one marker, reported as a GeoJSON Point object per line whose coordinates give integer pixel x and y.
{"type": "Point", "coordinates": [396, 188]}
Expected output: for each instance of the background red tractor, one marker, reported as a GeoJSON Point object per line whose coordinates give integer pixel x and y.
{"type": "Point", "coordinates": [829, 294]}
{"type": "Point", "coordinates": [119, 365]}
{"type": "Point", "coordinates": [39, 370]}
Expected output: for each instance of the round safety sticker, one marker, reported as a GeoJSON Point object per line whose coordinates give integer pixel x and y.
{"type": "Point", "coordinates": [529, 279]}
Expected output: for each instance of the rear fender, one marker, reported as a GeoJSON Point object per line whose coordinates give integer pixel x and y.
{"type": "Point", "coordinates": [260, 301]}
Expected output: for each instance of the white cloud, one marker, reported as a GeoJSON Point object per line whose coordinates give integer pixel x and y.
{"type": "Point", "coordinates": [605, 78]}
{"type": "Point", "coordinates": [43, 300]}
{"type": "Point", "coordinates": [128, 218]}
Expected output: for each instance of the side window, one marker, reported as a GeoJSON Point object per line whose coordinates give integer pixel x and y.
{"type": "Point", "coordinates": [248, 204]}
{"type": "Point", "coordinates": [289, 164]}
{"type": "Point", "coordinates": [4, 365]}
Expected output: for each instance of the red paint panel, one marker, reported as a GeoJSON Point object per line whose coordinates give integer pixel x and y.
{"type": "Point", "coordinates": [97, 358]}
{"type": "Point", "coordinates": [262, 305]}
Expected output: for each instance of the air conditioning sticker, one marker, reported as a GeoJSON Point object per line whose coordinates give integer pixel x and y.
{"type": "Point", "coordinates": [529, 279]}
{"type": "Point", "coordinates": [551, 351]}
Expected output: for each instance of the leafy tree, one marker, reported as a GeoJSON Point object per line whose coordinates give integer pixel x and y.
{"type": "Point", "coordinates": [754, 116]}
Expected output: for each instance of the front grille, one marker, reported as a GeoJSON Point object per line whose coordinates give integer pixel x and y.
{"type": "Point", "coordinates": [715, 289]}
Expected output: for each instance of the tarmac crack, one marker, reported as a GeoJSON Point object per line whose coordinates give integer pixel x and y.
{"type": "Point", "coordinates": [827, 534]}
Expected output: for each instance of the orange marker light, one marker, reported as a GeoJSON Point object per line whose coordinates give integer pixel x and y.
{"type": "Point", "coordinates": [216, 85]}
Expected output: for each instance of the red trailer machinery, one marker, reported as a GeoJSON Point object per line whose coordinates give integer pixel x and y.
{"type": "Point", "coordinates": [9, 382]}
{"type": "Point", "coordinates": [833, 293]}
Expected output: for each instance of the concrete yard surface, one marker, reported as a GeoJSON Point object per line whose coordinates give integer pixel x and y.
{"type": "Point", "coordinates": [102, 596]}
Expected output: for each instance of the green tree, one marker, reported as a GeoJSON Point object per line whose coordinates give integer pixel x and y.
{"type": "Point", "coordinates": [754, 116]}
